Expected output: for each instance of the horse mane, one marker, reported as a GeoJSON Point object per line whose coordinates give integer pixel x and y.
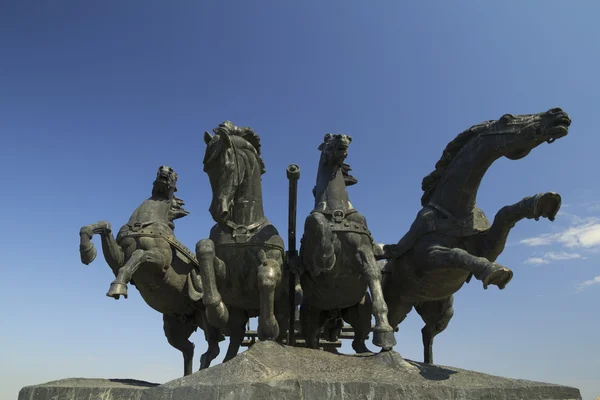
{"type": "Point", "coordinates": [431, 181]}
{"type": "Point", "coordinates": [242, 132]}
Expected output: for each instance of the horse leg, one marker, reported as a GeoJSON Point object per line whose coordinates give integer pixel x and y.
{"type": "Point", "coordinates": [216, 311]}
{"type": "Point", "coordinates": [398, 306]}
{"type": "Point", "coordinates": [269, 276]}
{"type": "Point", "coordinates": [212, 336]}
{"type": "Point", "coordinates": [113, 254]}
{"type": "Point", "coordinates": [282, 315]}
{"type": "Point", "coordinates": [398, 311]}
{"type": "Point", "coordinates": [237, 330]}
{"type": "Point", "coordinates": [383, 334]}
{"type": "Point", "coordinates": [436, 315]}
{"type": "Point", "coordinates": [311, 320]}
{"type": "Point", "coordinates": [178, 334]}
{"type": "Point", "coordinates": [319, 241]}
{"type": "Point", "coordinates": [432, 257]}
{"type": "Point", "coordinates": [490, 244]}
{"type": "Point", "coordinates": [118, 287]}
{"type": "Point", "coordinates": [359, 317]}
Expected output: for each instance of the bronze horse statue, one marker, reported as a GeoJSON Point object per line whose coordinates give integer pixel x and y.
{"type": "Point", "coordinates": [451, 239]}
{"type": "Point", "coordinates": [147, 254]}
{"type": "Point", "coordinates": [241, 264]}
{"type": "Point", "coordinates": [337, 259]}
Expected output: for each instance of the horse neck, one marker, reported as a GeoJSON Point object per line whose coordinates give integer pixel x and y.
{"type": "Point", "coordinates": [248, 200]}
{"type": "Point", "coordinates": [152, 209]}
{"type": "Point", "coordinates": [457, 191]}
{"type": "Point", "coordinates": [331, 193]}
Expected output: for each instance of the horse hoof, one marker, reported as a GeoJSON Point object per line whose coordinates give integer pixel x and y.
{"type": "Point", "coordinates": [384, 339]}
{"type": "Point", "coordinates": [361, 349]}
{"type": "Point", "coordinates": [500, 277]}
{"type": "Point", "coordinates": [268, 329]}
{"type": "Point", "coordinates": [87, 253]}
{"type": "Point", "coordinates": [116, 290]}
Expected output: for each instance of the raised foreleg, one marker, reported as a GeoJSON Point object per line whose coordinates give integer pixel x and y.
{"type": "Point", "coordinates": [492, 242]}
{"type": "Point", "coordinates": [269, 277]}
{"type": "Point", "coordinates": [318, 251]}
{"type": "Point", "coordinates": [216, 311]}
{"type": "Point", "coordinates": [383, 334]}
{"type": "Point", "coordinates": [436, 315]}
{"type": "Point", "coordinates": [155, 257]}
{"type": "Point", "coordinates": [178, 333]}
{"type": "Point", "coordinates": [430, 257]}
{"type": "Point", "coordinates": [113, 254]}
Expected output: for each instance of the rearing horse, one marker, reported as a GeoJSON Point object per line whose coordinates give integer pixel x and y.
{"type": "Point", "coordinates": [164, 269]}
{"type": "Point", "coordinates": [337, 258]}
{"type": "Point", "coordinates": [451, 239]}
{"type": "Point", "coordinates": [241, 263]}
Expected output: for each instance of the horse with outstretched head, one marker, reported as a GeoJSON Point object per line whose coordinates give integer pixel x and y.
{"type": "Point", "coordinates": [241, 264]}
{"type": "Point", "coordinates": [147, 254]}
{"type": "Point", "coordinates": [451, 239]}
{"type": "Point", "coordinates": [337, 259]}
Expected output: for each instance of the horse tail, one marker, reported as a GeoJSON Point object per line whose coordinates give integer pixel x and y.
{"type": "Point", "coordinates": [87, 251]}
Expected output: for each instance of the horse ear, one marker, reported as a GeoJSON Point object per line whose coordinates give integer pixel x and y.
{"type": "Point", "coordinates": [327, 137]}
{"type": "Point", "coordinates": [207, 137]}
{"type": "Point", "coordinates": [225, 139]}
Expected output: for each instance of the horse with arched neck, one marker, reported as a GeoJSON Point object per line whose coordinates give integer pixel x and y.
{"type": "Point", "coordinates": [451, 239]}
{"type": "Point", "coordinates": [147, 254]}
{"type": "Point", "coordinates": [241, 264]}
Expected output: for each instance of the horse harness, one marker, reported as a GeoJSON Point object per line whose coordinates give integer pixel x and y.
{"type": "Point", "coordinates": [242, 234]}
{"type": "Point", "coordinates": [338, 223]}
{"type": "Point", "coordinates": [145, 229]}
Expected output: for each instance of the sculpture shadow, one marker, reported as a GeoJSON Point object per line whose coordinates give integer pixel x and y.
{"type": "Point", "coordinates": [432, 372]}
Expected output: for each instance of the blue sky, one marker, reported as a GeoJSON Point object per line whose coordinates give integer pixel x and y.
{"type": "Point", "coordinates": [96, 95]}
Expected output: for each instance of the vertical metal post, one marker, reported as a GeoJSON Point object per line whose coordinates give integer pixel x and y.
{"type": "Point", "coordinates": [293, 174]}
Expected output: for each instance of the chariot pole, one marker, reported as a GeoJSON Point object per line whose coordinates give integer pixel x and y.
{"type": "Point", "coordinates": [293, 174]}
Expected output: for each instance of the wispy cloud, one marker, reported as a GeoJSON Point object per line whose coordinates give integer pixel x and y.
{"type": "Point", "coordinates": [586, 284]}
{"type": "Point", "coordinates": [562, 256]}
{"type": "Point", "coordinates": [546, 258]}
{"type": "Point", "coordinates": [550, 256]}
{"type": "Point", "coordinates": [536, 261]}
{"type": "Point", "coordinates": [584, 235]}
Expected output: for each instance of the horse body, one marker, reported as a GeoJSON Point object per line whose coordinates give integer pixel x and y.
{"type": "Point", "coordinates": [241, 264]}
{"type": "Point", "coordinates": [146, 253]}
{"type": "Point", "coordinates": [238, 280]}
{"type": "Point", "coordinates": [337, 259]}
{"type": "Point", "coordinates": [451, 238]}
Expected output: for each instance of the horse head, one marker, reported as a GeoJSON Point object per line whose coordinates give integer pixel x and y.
{"type": "Point", "coordinates": [457, 175]}
{"type": "Point", "coordinates": [514, 136]}
{"type": "Point", "coordinates": [165, 184]}
{"type": "Point", "coordinates": [231, 155]}
{"type": "Point", "coordinates": [334, 149]}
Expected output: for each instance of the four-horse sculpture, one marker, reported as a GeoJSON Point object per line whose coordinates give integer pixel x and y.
{"type": "Point", "coordinates": [337, 259]}
{"type": "Point", "coordinates": [451, 238]}
{"type": "Point", "coordinates": [164, 271]}
{"type": "Point", "coordinates": [241, 264]}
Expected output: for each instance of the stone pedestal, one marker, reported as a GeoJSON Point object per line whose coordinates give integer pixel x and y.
{"type": "Point", "coordinates": [88, 389]}
{"type": "Point", "coordinates": [271, 371]}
